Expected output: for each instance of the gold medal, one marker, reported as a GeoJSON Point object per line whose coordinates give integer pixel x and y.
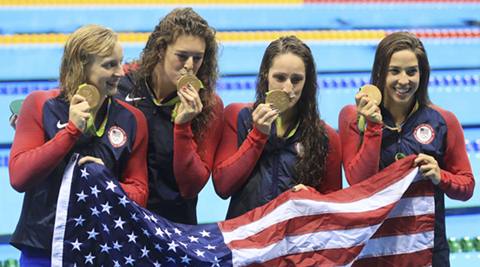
{"type": "Point", "coordinates": [91, 94]}
{"type": "Point", "coordinates": [373, 92]}
{"type": "Point", "coordinates": [279, 100]}
{"type": "Point", "coordinates": [191, 79]}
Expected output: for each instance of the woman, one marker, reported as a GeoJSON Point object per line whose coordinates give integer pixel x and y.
{"type": "Point", "coordinates": [265, 152]}
{"type": "Point", "coordinates": [180, 152]}
{"type": "Point", "coordinates": [54, 124]}
{"type": "Point", "coordinates": [405, 123]}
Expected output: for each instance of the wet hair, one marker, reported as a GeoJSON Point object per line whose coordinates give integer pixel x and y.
{"type": "Point", "coordinates": [396, 42]}
{"type": "Point", "coordinates": [80, 50]}
{"type": "Point", "coordinates": [310, 168]}
{"type": "Point", "coordinates": [183, 21]}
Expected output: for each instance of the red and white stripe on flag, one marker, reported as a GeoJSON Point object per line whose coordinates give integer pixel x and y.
{"type": "Point", "coordinates": [387, 219]}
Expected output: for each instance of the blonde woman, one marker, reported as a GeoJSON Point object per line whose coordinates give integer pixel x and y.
{"type": "Point", "coordinates": [52, 125]}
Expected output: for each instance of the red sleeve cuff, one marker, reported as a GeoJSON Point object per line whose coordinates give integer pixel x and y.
{"type": "Point", "coordinates": [374, 128]}
{"type": "Point", "coordinates": [184, 129]}
{"type": "Point", "coordinates": [72, 129]}
{"type": "Point", "coordinates": [258, 136]}
{"type": "Point", "coordinates": [444, 183]}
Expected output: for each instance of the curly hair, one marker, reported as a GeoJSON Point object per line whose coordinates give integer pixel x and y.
{"type": "Point", "coordinates": [183, 21]}
{"type": "Point", "coordinates": [393, 43]}
{"type": "Point", "coordinates": [310, 168]}
{"type": "Point", "coordinates": [80, 50]}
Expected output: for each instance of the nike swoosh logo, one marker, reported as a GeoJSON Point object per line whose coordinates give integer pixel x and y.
{"type": "Point", "coordinates": [130, 99]}
{"type": "Point", "coordinates": [61, 125]}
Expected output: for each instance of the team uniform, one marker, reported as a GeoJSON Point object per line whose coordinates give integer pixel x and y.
{"type": "Point", "coordinates": [179, 163]}
{"type": "Point", "coordinates": [429, 130]}
{"type": "Point", "coordinates": [44, 142]}
{"type": "Point", "coordinates": [254, 168]}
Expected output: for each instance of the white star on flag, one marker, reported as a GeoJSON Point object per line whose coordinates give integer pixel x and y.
{"type": "Point", "coordinates": [193, 239]}
{"type": "Point", "coordinates": [133, 216]}
{"type": "Point", "coordinates": [146, 232]}
{"type": "Point", "coordinates": [123, 201]}
{"type": "Point", "coordinates": [172, 246]}
{"type": "Point", "coordinates": [200, 253]}
{"type": "Point", "coordinates": [105, 248]}
{"type": "Point", "coordinates": [81, 196]}
{"type": "Point", "coordinates": [186, 259]}
{"type": "Point", "coordinates": [145, 252]}
{"type": "Point", "coordinates": [95, 191]}
{"type": "Point", "coordinates": [89, 258]}
{"type": "Point", "coordinates": [76, 245]}
{"type": "Point", "coordinates": [117, 246]}
{"type": "Point", "coordinates": [79, 220]}
{"type": "Point", "coordinates": [111, 186]}
{"type": "Point", "coordinates": [216, 262]}
{"type": "Point", "coordinates": [205, 233]}
{"type": "Point", "coordinates": [106, 207]}
{"type": "Point", "coordinates": [119, 223]}
{"type": "Point", "coordinates": [105, 228]}
{"type": "Point", "coordinates": [92, 234]}
{"type": "Point", "coordinates": [85, 174]}
{"type": "Point", "coordinates": [177, 231]}
{"type": "Point", "coordinates": [167, 232]}
{"type": "Point", "coordinates": [132, 237]}
{"type": "Point", "coordinates": [95, 212]}
{"type": "Point", "coordinates": [129, 260]}
{"type": "Point", "coordinates": [209, 247]}
{"type": "Point", "coordinates": [159, 231]}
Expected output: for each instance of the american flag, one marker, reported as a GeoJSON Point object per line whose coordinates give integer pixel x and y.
{"type": "Point", "coordinates": [386, 220]}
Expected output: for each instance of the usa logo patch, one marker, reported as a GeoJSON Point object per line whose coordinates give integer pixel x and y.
{"type": "Point", "coordinates": [117, 136]}
{"type": "Point", "coordinates": [424, 134]}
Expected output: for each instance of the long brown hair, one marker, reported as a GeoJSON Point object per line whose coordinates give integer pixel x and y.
{"type": "Point", "coordinates": [80, 50]}
{"type": "Point", "coordinates": [310, 168]}
{"type": "Point", "coordinates": [183, 21]}
{"type": "Point", "coordinates": [393, 43]}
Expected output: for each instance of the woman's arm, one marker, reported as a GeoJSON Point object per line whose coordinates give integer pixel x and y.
{"type": "Point", "coordinates": [332, 181]}
{"type": "Point", "coordinates": [361, 151]}
{"type": "Point", "coordinates": [456, 175]}
{"type": "Point", "coordinates": [192, 161]}
{"type": "Point", "coordinates": [32, 158]}
{"type": "Point", "coordinates": [234, 164]}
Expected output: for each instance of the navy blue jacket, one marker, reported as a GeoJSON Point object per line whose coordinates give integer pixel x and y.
{"type": "Point", "coordinates": [254, 168]}
{"type": "Point", "coordinates": [45, 140]}
{"type": "Point", "coordinates": [429, 130]}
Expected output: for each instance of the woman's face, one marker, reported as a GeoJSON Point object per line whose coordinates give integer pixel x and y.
{"type": "Point", "coordinates": [105, 72]}
{"type": "Point", "coordinates": [185, 55]}
{"type": "Point", "coordinates": [403, 79]}
{"type": "Point", "coordinates": [288, 74]}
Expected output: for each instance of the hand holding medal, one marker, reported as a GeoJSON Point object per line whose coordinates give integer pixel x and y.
{"type": "Point", "coordinates": [278, 99]}
{"type": "Point", "coordinates": [368, 100]}
{"type": "Point", "coordinates": [84, 106]}
{"type": "Point", "coordinates": [188, 87]}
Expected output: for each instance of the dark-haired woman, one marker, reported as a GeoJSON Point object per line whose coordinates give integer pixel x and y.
{"type": "Point", "coordinates": [185, 125]}
{"type": "Point", "coordinates": [406, 123]}
{"type": "Point", "coordinates": [265, 152]}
